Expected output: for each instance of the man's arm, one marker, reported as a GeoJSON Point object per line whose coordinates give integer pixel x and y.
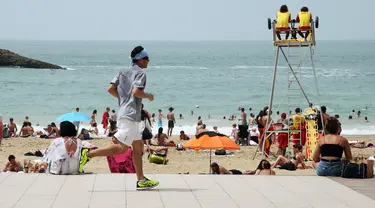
{"type": "Point", "coordinates": [6, 166]}
{"type": "Point", "coordinates": [112, 89]}
{"type": "Point", "coordinates": [139, 93]}
{"type": "Point", "coordinates": [139, 86]}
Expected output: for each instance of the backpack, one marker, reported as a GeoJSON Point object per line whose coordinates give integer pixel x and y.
{"type": "Point", "coordinates": [5, 132]}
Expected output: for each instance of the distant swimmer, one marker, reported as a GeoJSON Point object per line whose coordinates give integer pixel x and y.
{"type": "Point", "coordinates": [366, 120]}
{"type": "Point", "coordinates": [197, 106]}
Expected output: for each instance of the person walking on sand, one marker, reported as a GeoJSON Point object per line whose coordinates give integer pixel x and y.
{"type": "Point", "coordinates": [105, 118]}
{"type": "Point", "coordinates": [128, 87]}
{"type": "Point", "coordinates": [171, 121]}
{"type": "Point", "coordinates": [12, 128]}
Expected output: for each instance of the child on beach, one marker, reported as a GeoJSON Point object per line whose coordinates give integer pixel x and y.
{"type": "Point", "coordinates": [234, 133]}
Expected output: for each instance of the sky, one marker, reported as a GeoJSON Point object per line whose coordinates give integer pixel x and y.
{"type": "Point", "coordinates": [178, 20]}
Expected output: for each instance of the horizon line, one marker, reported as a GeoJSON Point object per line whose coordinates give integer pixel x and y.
{"type": "Point", "coordinates": [203, 40]}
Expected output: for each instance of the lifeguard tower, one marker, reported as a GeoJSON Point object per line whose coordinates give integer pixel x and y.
{"type": "Point", "coordinates": [296, 94]}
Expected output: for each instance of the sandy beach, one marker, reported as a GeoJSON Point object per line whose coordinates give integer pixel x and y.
{"type": "Point", "coordinates": [179, 161]}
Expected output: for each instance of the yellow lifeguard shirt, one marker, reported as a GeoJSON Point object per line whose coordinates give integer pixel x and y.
{"type": "Point", "coordinates": [298, 120]}
{"type": "Point", "coordinates": [304, 19]}
{"type": "Point", "coordinates": [283, 19]}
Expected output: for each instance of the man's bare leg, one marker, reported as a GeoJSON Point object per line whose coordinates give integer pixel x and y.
{"type": "Point", "coordinates": [137, 158]}
{"type": "Point", "coordinates": [113, 149]}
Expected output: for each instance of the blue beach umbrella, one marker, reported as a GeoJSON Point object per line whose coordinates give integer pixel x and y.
{"type": "Point", "coordinates": [74, 116]}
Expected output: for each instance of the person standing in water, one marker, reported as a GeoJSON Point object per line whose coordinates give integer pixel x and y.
{"type": "Point", "coordinates": [128, 87]}
{"type": "Point", "coordinates": [171, 121]}
{"type": "Point", "coordinates": [160, 118]}
{"type": "Point", "coordinates": [243, 117]}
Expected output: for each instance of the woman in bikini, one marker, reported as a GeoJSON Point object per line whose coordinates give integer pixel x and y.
{"type": "Point", "coordinates": [329, 151]}
{"type": "Point", "coordinates": [93, 116]}
{"type": "Point", "coordinates": [264, 168]}
{"type": "Point", "coordinates": [293, 164]}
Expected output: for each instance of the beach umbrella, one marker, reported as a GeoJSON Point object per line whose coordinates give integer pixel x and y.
{"type": "Point", "coordinates": [73, 116]}
{"type": "Point", "coordinates": [211, 140]}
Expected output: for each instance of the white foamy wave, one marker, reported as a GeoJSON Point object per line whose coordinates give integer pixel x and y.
{"type": "Point", "coordinates": [256, 67]}
{"type": "Point", "coordinates": [178, 67]}
{"type": "Point", "coordinates": [364, 130]}
{"type": "Point", "coordinates": [348, 130]}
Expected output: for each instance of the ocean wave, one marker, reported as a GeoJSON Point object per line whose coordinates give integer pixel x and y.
{"type": "Point", "coordinates": [267, 67]}
{"type": "Point", "coordinates": [190, 129]}
{"type": "Point", "coordinates": [178, 67]}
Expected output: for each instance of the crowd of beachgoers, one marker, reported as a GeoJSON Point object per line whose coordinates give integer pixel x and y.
{"type": "Point", "coordinates": [332, 149]}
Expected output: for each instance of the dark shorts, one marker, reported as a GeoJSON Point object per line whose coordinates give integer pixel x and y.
{"type": "Point", "coordinates": [170, 124]}
{"type": "Point", "coordinates": [235, 172]}
{"type": "Point", "coordinates": [289, 166]}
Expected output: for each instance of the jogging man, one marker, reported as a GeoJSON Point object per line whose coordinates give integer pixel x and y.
{"type": "Point", "coordinates": [128, 86]}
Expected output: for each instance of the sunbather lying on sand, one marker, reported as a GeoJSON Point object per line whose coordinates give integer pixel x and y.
{"type": "Point", "coordinates": [217, 169]}
{"type": "Point", "coordinates": [264, 168]}
{"type": "Point", "coordinates": [38, 167]}
{"type": "Point", "coordinates": [12, 165]}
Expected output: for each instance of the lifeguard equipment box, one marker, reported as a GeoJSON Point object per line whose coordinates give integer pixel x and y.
{"type": "Point", "coordinates": [294, 71]}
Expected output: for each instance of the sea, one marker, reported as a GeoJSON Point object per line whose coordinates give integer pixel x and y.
{"type": "Point", "coordinates": [211, 78]}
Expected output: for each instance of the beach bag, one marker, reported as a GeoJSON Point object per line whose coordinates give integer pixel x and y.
{"type": "Point", "coordinates": [146, 134]}
{"type": "Point", "coordinates": [355, 169]}
{"type": "Point", "coordinates": [180, 147]}
{"type": "Point", "coordinates": [157, 159]}
{"type": "Point", "coordinates": [220, 152]}
{"type": "Point", "coordinates": [5, 132]}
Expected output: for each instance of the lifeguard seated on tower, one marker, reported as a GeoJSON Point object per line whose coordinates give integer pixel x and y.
{"type": "Point", "coordinates": [304, 18]}
{"type": "Point", "coordinates": [298, 124]}
{"type": "Point", "coordinates": [282, 21]}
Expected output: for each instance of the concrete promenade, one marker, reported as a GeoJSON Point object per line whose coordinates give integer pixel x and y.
{"type": "Point", "coordinates": [180, 191]}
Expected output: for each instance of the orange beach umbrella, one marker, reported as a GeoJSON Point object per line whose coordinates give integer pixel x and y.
{"type": "Point", "coordinates": [211, 140]}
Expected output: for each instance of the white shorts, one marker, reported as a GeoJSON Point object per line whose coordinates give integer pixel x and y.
{"type": "Point", "coordinates": [127, 131]}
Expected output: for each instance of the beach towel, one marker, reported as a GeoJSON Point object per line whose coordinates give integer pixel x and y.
{"type": "Point", "coordinates": [122, 163]}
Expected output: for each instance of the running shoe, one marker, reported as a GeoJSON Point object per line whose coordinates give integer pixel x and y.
{"type": "Point", "coordinates": [84, 159]}
{"type": "Point", "coordinates": [146, 184]}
